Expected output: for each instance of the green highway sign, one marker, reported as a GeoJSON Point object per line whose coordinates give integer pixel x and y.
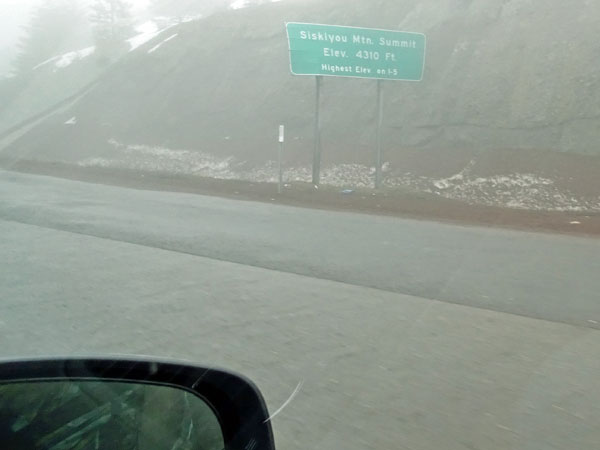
{"type": "Point", "coordinates": [355, 52]}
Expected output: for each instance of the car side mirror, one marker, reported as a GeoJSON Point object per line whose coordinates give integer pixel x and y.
{"type": "Point", "coordinates": [123, 404]}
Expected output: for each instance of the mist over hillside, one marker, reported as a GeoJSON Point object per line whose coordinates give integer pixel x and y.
{"type": "Point", "coordinates": [500, 77]}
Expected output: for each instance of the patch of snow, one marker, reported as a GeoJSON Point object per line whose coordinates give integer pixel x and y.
{"type": "Point", "coordinates": [146, 32]}
{"type": "Point", "coordinates": [157, 46]}
{"type": "Point", "coordinates": [442, 184]}
{"type": "Point", "coordinates": [446, 183]}
{"type": "Point", "coordinates": [517, 190]}
{"type": "Point", "coordinates": [239, 4]}
{"type": "Point", "coordinates": [68, 58]}
{"type": "Point", "coordinates": [71, 121]}
{"type": "Point", "coordinates": [43, 63]}
{"type": "Point", "coordinates": [161, 159]}
{"type": "Point", "coordinates": [170, 37]}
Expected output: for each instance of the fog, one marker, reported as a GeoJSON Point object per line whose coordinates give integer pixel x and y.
{"type": "Point", "coordinates": [15, 14]}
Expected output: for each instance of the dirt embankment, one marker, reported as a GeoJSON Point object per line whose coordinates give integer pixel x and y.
{"type": "Point", "coordinates": [392, 202]}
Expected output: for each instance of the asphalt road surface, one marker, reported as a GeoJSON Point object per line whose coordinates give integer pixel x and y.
{"type": "Point", "coordinates": [400, 333]}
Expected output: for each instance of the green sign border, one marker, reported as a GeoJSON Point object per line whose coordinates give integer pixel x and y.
{"type": "Point", "coordinates": [356, 76]}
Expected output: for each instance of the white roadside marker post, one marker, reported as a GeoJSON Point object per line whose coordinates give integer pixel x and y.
{"type": "Point", "coordinates": [281, 140]}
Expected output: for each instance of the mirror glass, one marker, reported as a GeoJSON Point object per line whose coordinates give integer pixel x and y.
{"type": "Point", "coordinates": [82, 415]}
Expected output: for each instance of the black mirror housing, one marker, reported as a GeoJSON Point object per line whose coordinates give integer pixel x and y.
{"type": "Point", "coordinates": [235, 400]}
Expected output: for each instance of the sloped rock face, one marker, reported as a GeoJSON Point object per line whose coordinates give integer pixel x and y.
{"type": "Point", "coordinates": [512, 74]}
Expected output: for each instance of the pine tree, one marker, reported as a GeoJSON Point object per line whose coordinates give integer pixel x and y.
{"type": "Point", "coordinates": [112, 24]}
{"type": "Point", "coordinates": [54, 27]}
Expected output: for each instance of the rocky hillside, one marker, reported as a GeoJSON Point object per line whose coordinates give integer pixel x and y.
{"type": "Point", "coordinates": [501, 76]}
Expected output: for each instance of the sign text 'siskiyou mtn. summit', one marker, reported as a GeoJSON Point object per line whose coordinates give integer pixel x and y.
{"type": "Point", "coordinates": [355, 52]}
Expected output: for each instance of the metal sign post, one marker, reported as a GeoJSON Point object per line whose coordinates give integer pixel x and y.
{"type": "Point", "coordinates": [379, 157]}
{"type": "Point", "coordinates": [316, 173]}
{"type": "Point", "coordinates": [281, 140]}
